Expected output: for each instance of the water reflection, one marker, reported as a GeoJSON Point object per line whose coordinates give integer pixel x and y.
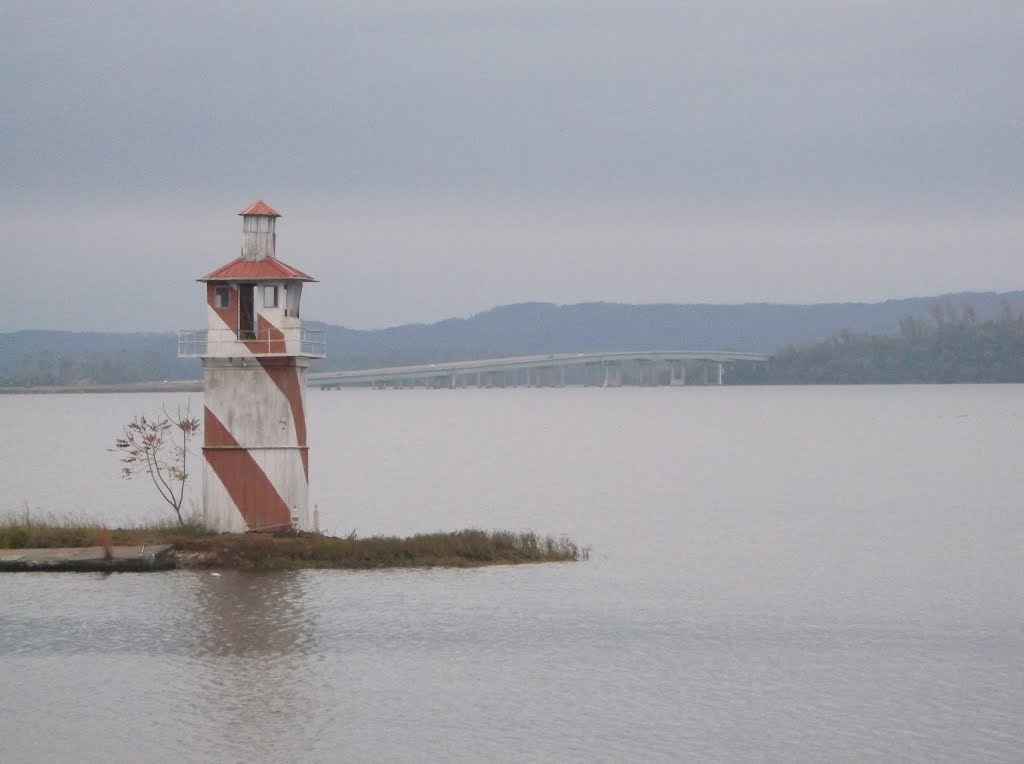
{"type": "Point", "coordinates": [255, 638]}
{"type": "Point", "coordinates": [252, 615]}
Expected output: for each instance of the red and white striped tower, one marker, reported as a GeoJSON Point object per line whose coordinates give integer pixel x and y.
{"type": "Point", "coordinates": [256, 355]}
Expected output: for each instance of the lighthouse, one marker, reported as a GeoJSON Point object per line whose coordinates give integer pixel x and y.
{"type": "Point", "coordinates": [256, 356]}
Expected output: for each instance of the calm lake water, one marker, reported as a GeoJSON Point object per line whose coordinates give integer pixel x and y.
{"type": "Point", "coordinates": [814, 574]}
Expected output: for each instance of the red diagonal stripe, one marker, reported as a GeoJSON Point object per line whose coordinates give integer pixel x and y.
{"type": "Point", "coordinates": [269, 339]}
{"type": "Point", "coordinates": [248, 486]}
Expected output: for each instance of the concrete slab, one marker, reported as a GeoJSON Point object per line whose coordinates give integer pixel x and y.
{"type": "Point", "coordinates": [93, 558]}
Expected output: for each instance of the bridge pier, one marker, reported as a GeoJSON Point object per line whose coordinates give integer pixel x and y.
{"type": "Point", "coordinates": [648, 372]}
{"type": "Point", "coordinates": [719, 372]}
{"type": "Point", "coordinates": [612, 374]}
{"type": "Point", "coordinates": [677, 373]}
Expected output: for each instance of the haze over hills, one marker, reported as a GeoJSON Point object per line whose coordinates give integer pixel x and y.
{"type": "Point", "coordinates": [33, 357]}
{"type": "Point", "coordinates": [528, 328]}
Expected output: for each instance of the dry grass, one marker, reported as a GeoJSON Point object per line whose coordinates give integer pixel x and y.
{"type": "Point", "coordinates": [199, 548]}
{"type": "Point", "coordinates": [41, 531]}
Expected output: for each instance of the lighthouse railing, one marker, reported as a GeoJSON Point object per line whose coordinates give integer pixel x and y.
{"type": "Point", "coordinates": [312, 343]}
{"type": "Point", "coordinates": [192, 343]}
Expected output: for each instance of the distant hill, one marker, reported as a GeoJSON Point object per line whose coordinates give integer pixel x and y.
{"type": "Point", "coordinates": [51, 357]}
{"type": "Point", "coordinates": [539, 328]}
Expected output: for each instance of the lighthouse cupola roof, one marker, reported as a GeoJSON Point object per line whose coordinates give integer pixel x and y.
{"type": "Point", "coordinates": [261, 208]}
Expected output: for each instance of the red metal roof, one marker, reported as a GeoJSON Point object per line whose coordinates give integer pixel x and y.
{"type": "Point", "coordinates": [267, 269]}
{"type": "Point", "coordinates": [260, 207]}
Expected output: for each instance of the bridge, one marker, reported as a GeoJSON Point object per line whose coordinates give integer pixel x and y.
{"type": "Point", "coordinates": [646, 368]}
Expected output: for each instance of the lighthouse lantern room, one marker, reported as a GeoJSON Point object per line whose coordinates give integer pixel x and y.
{"type": "Point", "coordinates": [256, 356]}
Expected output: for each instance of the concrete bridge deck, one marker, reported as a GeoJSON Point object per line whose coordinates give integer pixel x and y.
{"type": "Point", "coordinates": [598, 369]}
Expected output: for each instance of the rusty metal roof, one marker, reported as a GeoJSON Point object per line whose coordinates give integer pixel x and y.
{"type": "Point", "coordinates": [268, 269]}
{"type": "Point", "coordinates": [260, 207]}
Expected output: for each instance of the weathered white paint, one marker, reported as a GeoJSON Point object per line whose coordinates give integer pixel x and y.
{"type": "Point", "coordinates": [219, 510]}
{"type": "Point", "coordinates": [248, 403]}
{"type": "Point", "coordinates": [293, 294]}
{"type": "Point", "coordinates": [259, 240]}
{"type": "Point", "coordinates": [221, 340]}
{"type": "Point", "coordinates": [284, 468]}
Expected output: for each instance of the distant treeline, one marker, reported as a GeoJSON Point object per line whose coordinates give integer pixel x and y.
{"type": "Point", "coordinates": [40, 358]}
{"type": "Point", "coordinates": [98, 368]}
{"type": "Point", "coordinates": [955, 348]}
{"type": "Point", "coordinates": [925, 339]}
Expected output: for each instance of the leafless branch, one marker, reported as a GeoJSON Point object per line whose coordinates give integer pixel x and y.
{"type": "Point", "coordinates": [149, 446]}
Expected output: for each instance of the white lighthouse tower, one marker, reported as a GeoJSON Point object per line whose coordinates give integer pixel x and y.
{"type": "Point", "coordinates": [256, 355]}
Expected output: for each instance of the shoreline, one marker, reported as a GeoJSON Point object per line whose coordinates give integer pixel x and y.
{"type": "Point", "coordinates": [196, 386]}
{"type": "Point", "coordinates": [178, 386]}
{"type": "Point", "coordinates": [91, 548]}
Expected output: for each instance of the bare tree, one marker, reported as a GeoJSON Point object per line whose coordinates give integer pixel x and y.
{"type": "Point", "coordinates": [158, 447]}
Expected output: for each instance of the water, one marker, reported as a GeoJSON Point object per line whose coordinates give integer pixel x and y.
{"type": "Point", "coordinates": [777, 574]}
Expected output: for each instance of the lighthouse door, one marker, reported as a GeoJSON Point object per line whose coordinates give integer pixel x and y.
{"type": "Point", "coordinates": [246, 311]}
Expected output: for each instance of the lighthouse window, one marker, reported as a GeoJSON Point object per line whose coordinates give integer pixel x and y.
{"type": "Point", "coordinates": [270, 297]}
{"type": "Point", "coordinates": [292, 295]}
{"type": "Point", "coordinates": [222, 297]}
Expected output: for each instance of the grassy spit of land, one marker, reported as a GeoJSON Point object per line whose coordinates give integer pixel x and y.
{"type": "Point", "coordinates": [197, 547]}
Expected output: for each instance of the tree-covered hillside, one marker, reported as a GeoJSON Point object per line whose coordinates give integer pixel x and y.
{"type": "Point", "coordinates": [956, 348]}
{"type": "Point", "coordinates": [31, 358]}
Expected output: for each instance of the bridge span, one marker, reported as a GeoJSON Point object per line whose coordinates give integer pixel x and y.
{"type": "Point", "coordinates": [614, 369]}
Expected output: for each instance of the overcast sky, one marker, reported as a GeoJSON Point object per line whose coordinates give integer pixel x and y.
{"type": "Point", "coordinates": [437, 158]}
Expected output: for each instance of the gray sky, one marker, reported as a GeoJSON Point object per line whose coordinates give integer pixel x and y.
{"type": "Point", "coordinates": [434, 159]}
